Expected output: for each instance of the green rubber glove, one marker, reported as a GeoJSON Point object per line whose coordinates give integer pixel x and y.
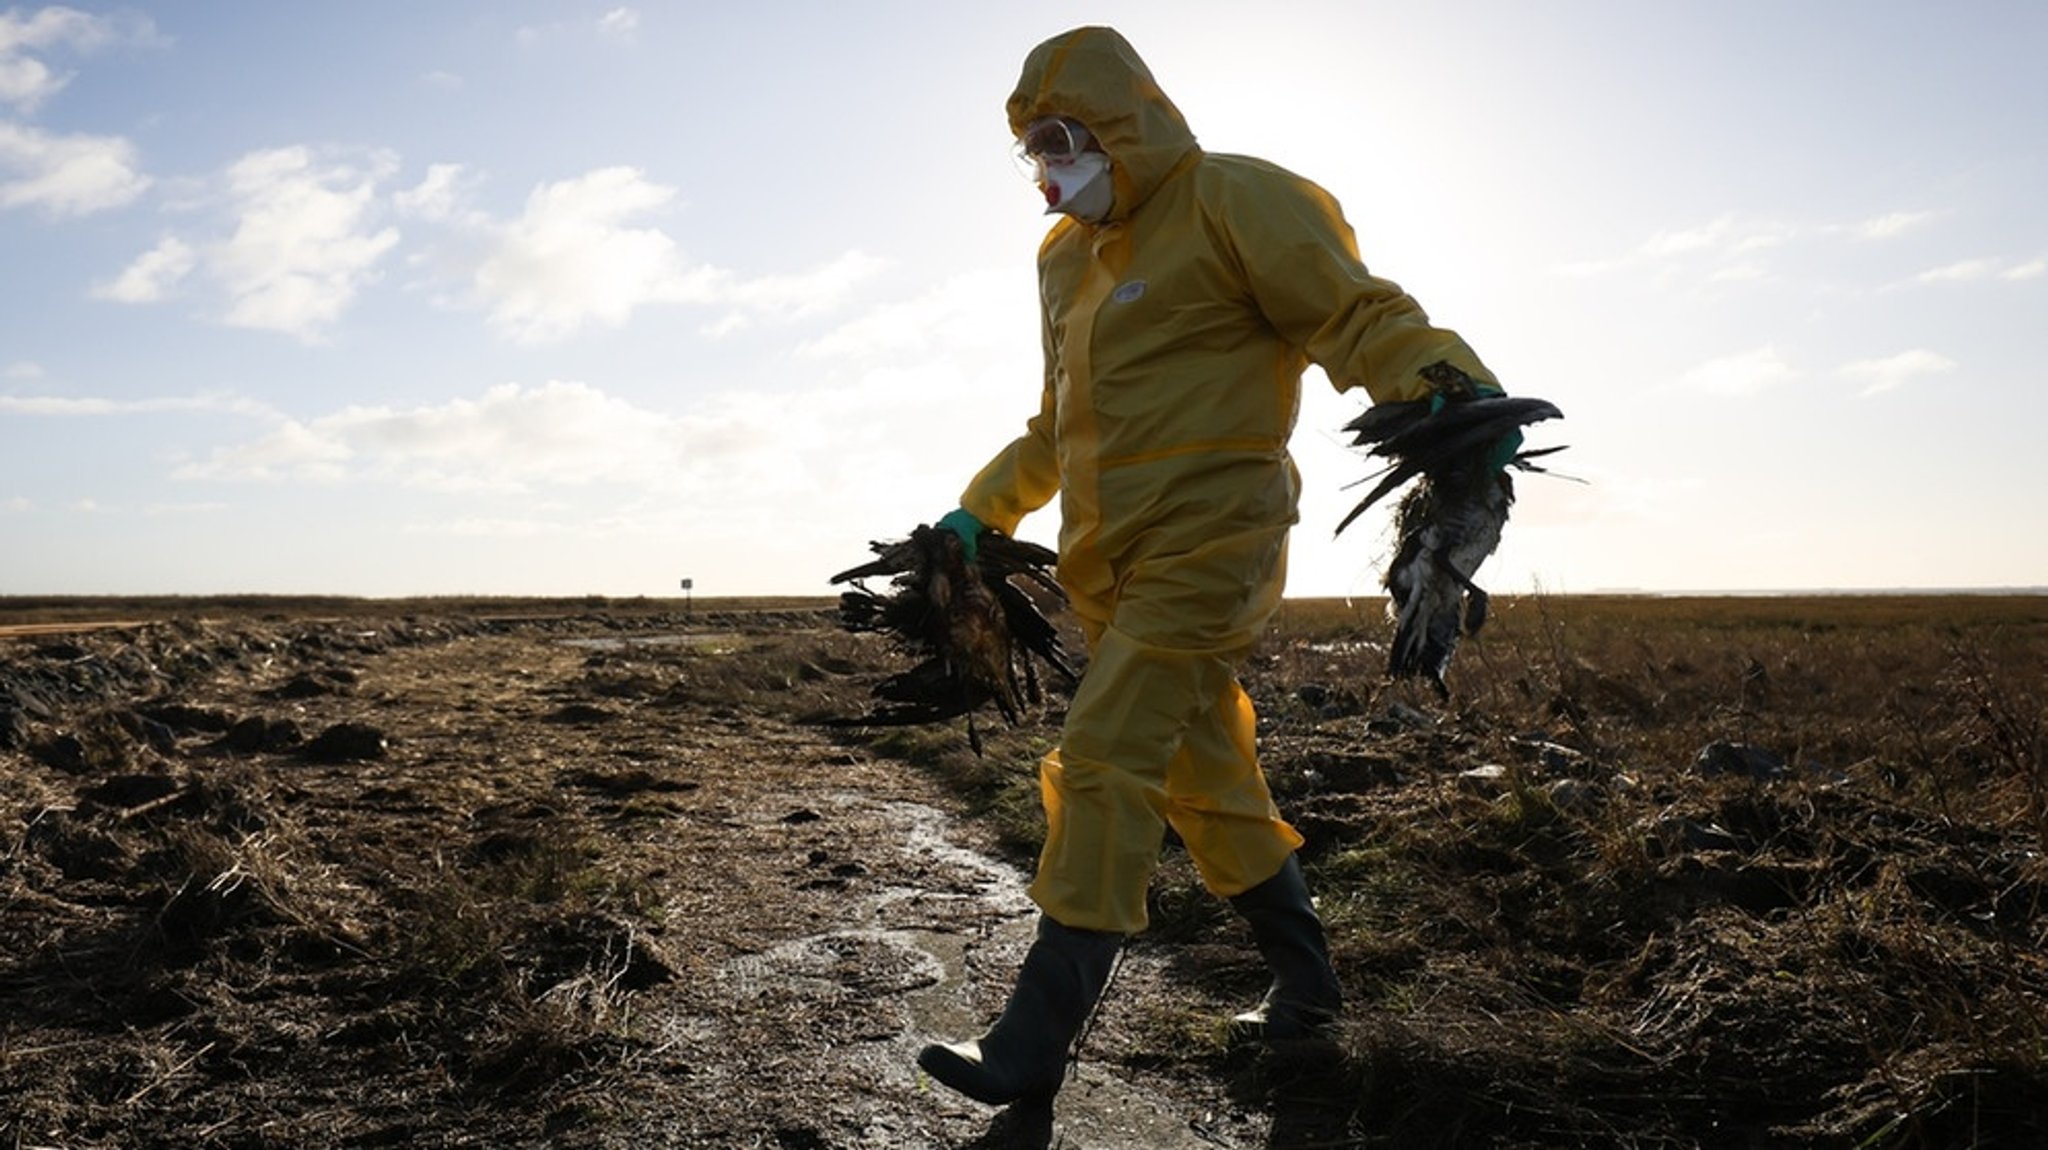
{"type": "Point", "coordinates": [1505, 448]}
{"type": "Point", "coordinates": [962, 522]}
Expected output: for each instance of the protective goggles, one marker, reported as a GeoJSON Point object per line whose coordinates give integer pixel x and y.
{"type": "Point", "coordinates": [1050, 140]}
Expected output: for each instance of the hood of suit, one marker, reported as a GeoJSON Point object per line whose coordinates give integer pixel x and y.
{"type": "Point", "coordinates": [1094, 75]}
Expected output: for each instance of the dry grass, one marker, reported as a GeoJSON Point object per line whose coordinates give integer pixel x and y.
{"type": "Point", "coordinates": [1829, 933]}
{"type": "Point", "coordinates": [1661, 873]}
{"type": "Point", "coordinates": [1565, 921]}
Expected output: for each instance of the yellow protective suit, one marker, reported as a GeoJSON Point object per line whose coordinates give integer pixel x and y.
{"type": "Point", "coordinates": [1175, 335]}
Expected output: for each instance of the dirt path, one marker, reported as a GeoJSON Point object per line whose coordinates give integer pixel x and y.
{"type": "Point", "coordinates": [569, 889]}
{"type": "Point", "coordinates": [843, 920]}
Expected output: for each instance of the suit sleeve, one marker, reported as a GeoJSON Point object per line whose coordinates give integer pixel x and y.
{"type": "Point", "coordinates": [1301, 263]}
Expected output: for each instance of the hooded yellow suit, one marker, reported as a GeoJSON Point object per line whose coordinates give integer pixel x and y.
{"type": "Point", "coordinates": [1175, 334]}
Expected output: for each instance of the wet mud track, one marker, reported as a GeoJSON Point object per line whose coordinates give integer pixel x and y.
{"type": "Point", "coordinates": [571, 884]}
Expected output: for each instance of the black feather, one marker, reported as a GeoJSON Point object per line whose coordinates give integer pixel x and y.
{"type": "Point", "coordinates": [1419, 442]}
{"type": "Point", "coordinates": [978, 630]}
{"type": "Point", "coordinates": [1451, 521]}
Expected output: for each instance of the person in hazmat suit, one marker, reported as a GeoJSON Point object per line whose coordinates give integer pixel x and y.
{"type": "Point", "coordinates": [1183, 294]}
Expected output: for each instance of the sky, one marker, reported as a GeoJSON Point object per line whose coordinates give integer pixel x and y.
{"type": "Point", "coordinates": [504, 298]}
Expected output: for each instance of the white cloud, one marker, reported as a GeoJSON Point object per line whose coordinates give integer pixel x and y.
{"type": "Point", "coordinates": [619, 23]}
{"type": "Point", "coordinates": [584, 252]}
{"type": "Point", "coordinates": [16, 505]}
{"type": "Point", "coordinates": [52, 26]}
{"type": "Point", "coordinates": [1725, 239]}
{"type": "Point", "coordinates": [870, 442]}
{"type": "Point", "coordinates": [1589, 268]}
{"type": "Point", "coordinates": [1730, 242]}
{"type": "Point", "coordinates": [22, 369]}
{"type": "Point", "coordinates": [730, 450]}
{"type": "Point", "coordinates": [512, 439]}
{"type": "Point", "coordinates": [66, 175]}
{"type": "Point", "coordinates": [290, 450]}
{"type": "Point", "coordinates": [299, 239]}
{"type": "Point", "coordinates": [54, 405]}
{"type": "Point", "coordinates": [303, 237]}
{"type": "Point", "coordinates": [1739, 273]}
{"type": "Point", "coordinates": [1985, 268]}
{"type": "Point", "coordinates": [1684, 240]}
{"type": "Point", "coordinates": [1895, 371]}
{"type": "Point", "coordinates": [436, 196]}
{"type": "Point", "coordinates": [304, 240]}
{"type": "Point", "coordinates": [26, 81]}
{"type": "Point", "coordinates": [152, 275]}
{"type": "Point", "coordinates": [1890, 225]}
{"type": "Point", "coordinates": [806, 294]}
{"type": "Point", "coordinates": [1747, 373]}
{"type": "Point", "coordinates": [973, 313]}
{"type": "Point", "coordinates": [1961, 271]}
{"type": "Point", "coordinates": [1724, 236]}
{"type": "Point", "coordinates": [85, 406]}
{"type": "Point", "coordinates": [486, 527]}
{"type": "Point", "coordinates": [575, 257]}
{"type": "Point", "coordinates": [166, 510]}
{"type": "Point", "coordinates": [560, 433]}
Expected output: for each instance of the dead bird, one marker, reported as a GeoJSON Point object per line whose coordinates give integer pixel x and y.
{"type": "Point", "coordinates": [1451, 521]}
{"type": "Point", "coordinates": [978, 629]}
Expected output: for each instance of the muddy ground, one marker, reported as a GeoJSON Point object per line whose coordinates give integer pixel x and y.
{"type": "Point", "coordinates": [604, 878]}
{"type": "Point", "coordinates": [431, 882]}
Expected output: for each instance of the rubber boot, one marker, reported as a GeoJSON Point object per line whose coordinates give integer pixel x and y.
{"type": "Point", "coordinates": [1024, 1054]}
{"type": "Point", "coordinates": [1304, 998]}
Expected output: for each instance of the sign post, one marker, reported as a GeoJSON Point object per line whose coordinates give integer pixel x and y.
{"type": "Point", "coordinates": [687, 584]}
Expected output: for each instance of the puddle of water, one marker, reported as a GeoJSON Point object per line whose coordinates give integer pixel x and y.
{"type": "Point", "coordinates": [941, 1000]}
{"type": "Point", "coordinates": [711, 643]}
{"type": "Point", "coordinates": [1347, 647]}
{"type": "Point", "coordinates": [942, 1010]}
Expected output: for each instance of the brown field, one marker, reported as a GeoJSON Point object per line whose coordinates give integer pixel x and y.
{"type": "Point", "coordinates": [1710, 872]}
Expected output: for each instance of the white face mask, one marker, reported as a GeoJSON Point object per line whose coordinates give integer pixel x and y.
{"type": "Point", "coordinates": [1079, 187]}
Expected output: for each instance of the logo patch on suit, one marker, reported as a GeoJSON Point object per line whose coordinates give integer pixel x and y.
{"type": "Point", "coordinates": [1128, 292]}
